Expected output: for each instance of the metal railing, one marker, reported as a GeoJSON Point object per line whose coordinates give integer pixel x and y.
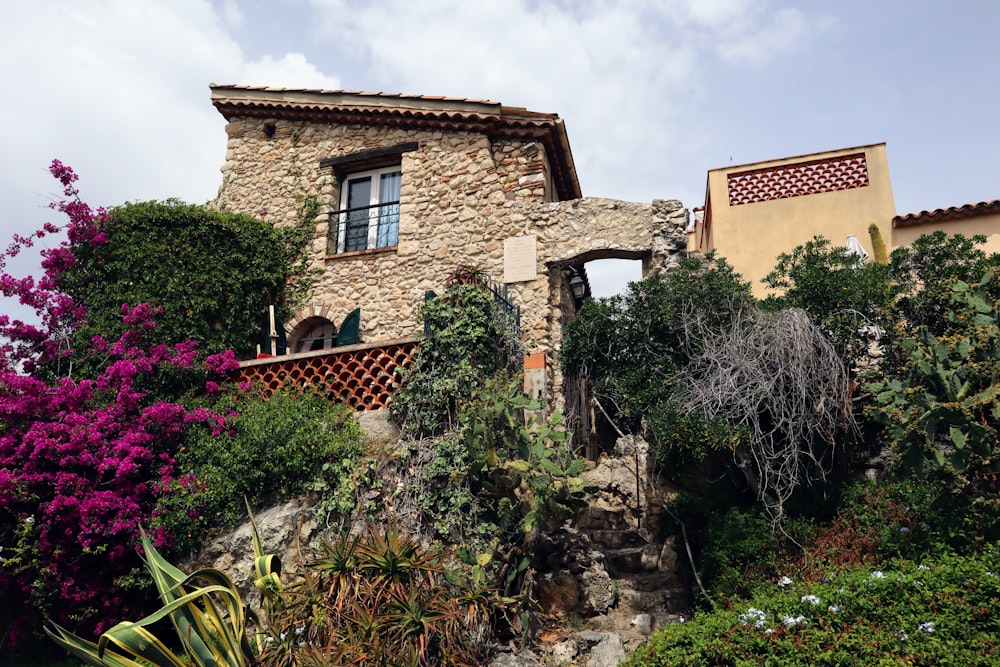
{"type": "Point", "coordinates": [350, 228]}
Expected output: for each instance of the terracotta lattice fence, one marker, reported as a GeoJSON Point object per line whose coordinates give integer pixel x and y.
{"type": "Point", "coordinates": [363, 376]}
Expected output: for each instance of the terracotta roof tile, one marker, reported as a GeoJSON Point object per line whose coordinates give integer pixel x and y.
{"type": "Point", "coordinates": [367, 93]}
{"type": "Point", "coordinates": [948, 214]}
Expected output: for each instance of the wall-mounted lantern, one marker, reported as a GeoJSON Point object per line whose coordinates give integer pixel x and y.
{"type": "Point", "coordinates": [577, 286]}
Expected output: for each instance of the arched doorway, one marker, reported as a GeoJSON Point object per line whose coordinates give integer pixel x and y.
{"type": "Point", "coordinates": [314, 333]}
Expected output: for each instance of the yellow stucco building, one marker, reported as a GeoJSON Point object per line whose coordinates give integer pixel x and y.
{"type": "Point", "coordinates": [969, 220]}
{"type": "Point", "coordinates": [754, 212]}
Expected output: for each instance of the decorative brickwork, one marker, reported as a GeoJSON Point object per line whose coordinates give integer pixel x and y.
{"type": "Point", "coordinates": [794, 180]}
{"type": "Point", "coordinates": [362, 376]}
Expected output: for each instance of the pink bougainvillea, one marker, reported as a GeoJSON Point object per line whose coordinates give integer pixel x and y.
{"type": "Point", "coordinates": [82, 460]}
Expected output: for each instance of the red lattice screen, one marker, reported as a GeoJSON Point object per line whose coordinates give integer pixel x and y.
{"type": "Point", "coordinates": [794, 180]}
{"type": "Point", "coordinates": [362, 376]}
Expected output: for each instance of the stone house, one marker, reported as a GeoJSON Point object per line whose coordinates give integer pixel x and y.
{"type": "Point", "coordinates": [411, 189]}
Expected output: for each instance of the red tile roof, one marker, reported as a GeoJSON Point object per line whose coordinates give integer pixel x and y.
{"type": "Point", "coordinates": [947, 214]}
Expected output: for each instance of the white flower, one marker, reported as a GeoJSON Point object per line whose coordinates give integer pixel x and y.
{"type": "Point", "coordinates": [927, 627]}
{"type": "Point", "coordinates": [769, 631]}
{"type": "Point", "coordinates": [922, 567]}
{"type": "Point", "coordinates": [300, 630]}
{"type": "Point", "coordinates": [834, 608]}
{"type": "Point", "coordinates": [902, 636]}
{"type": "Point", "coordinates": [792, 621]}
{"type": "Point", "coordinates": [878, 574]}
{"type": "Point", "coordinates": [754, 617]}
{"type": "Point", "coordinates": [784, 581]}
{"type": "Point", "coordinates": [811, 599]}
{"type": "Point", "coordinates": [30, 519]}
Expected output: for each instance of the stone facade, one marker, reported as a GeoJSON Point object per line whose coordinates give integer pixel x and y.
{"type": "Point", "coordinates": [473, 175]}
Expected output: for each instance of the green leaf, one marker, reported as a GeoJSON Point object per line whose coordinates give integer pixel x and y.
{"type": "Point", "coordinates": [957, 437]}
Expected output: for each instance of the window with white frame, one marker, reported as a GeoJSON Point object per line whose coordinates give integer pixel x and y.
{"type": "Point", "coordinates": [369, 210]}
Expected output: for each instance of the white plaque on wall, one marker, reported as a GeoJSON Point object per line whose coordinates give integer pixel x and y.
{"type": "Point", "coordinates": [520, 259]}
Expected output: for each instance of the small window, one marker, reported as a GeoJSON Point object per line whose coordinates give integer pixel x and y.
{"type": "Point", "coordinates": [369, 211]}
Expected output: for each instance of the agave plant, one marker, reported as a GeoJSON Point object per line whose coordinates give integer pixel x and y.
{"type": "Point", "coordinates": [204, 607]}
{"type": "Point", "coordinates": [378, 599]}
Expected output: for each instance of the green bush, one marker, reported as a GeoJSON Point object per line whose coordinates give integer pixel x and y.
{"type": "Point", "coordinates": [682, 440]}
{"type": "Point", "coordinates": [273, 449]}
{"type": "Point", "coordinates": [941, 409]}
{"type": "Point", "coordinates": [632, 345]}
{"type": "Point", "coordinates": [849, 302]}
{"type": "Point", "coordinates": [467, 338]}
{"type": "Point", "coordinates": [905, 518]}
{"type": "Point", "coordinates": [213, 273]}
{"type": "Point", "coordinates": [931, 612]}
{"type": "Point", "coordinates": [735, 548]}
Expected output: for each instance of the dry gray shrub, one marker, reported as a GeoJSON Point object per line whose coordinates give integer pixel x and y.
{"type": "Point", "coordinates": [777, 375]}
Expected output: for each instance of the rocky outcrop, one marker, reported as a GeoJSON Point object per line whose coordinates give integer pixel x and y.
{"type": "Point", "coordinates": [604, 582]}
{"type": "Point", "coordinates": [609, 570]}
{"type": "Point", "coordinates": [283, 528]}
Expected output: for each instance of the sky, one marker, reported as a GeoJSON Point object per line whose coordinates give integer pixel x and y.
{"type": "Point", "coordinates": [654, 93]}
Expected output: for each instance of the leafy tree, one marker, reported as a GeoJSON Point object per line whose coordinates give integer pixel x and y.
{"type": "Point", "coordinates": [688, 359]}
{"type": "Point", "coordinates": [941, 409]}
{"type": "Point", "coordinates": [925, 271]}
{"type": "Point", "coordinates": [212, 274]}
{"type": "Point", "coordinates": [631, 346]}
{"type": "Point", "coordinates": [852, 303]}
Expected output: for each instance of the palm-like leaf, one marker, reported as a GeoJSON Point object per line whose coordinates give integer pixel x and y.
{"type": "Point", "coordinates": [204, 607]}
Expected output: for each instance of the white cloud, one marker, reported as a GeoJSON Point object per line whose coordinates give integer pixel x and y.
{"type": "Point", "coordinates": [118, 90]}
{"type": "Point", "coordinates": [231, 13]}
{"type": "Point", "coordinates": [293, 70]}
{"type": "Point", "coordinates": [621, 73]}
{"type": "Point", "coordinates": [782, 33]}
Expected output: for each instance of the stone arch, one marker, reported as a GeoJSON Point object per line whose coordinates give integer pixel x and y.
{"type": "Point", "coordinates": [302, 323]}
{"type": "Point", "coordinates": [313, 333]}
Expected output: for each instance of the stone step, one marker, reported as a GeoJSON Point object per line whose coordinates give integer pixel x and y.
{"type": "Point", "coordinates": [632, 560]}
{"type": "Point", "coordinates": [655, 602]}
{"type": "Point", "coordinates": [647, 582]}
{"type": "Point", "coordinates": [616, 539]}
{"type": "Point", "coordinates": [595, 517]}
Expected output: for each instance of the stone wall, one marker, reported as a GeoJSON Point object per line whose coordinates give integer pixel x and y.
{"type": "Point", "coordinates": [461, 196]}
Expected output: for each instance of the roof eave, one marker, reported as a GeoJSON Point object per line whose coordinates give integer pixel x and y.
{"type": "Point", "coordinates": [421, 112]}
{"type": "Point", "coordinates": [948, 214]}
